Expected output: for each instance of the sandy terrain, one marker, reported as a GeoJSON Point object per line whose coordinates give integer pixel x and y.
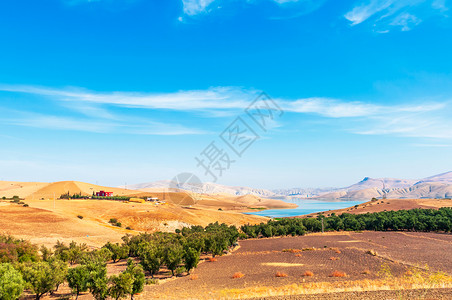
{"type": "Point", "coordinates": [49, 191]}
{"type": "Point", "coordinates": [47, 221]}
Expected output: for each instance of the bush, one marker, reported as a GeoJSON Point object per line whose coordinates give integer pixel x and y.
{"type": "Point", "coordinates": [280, 274]}
{"type": "Point", "coordinates": [14, 250]}
{"type": "Point", "coordinates": [25, 205]}
{"type": "Point", "coordinates": [337, 274]}
{"type": "Point", "coordinates": [334, 258]}
{"type": "Point", "coordinates": [80, 217]}
{"type": "Point", "coordinates": [238, 275]}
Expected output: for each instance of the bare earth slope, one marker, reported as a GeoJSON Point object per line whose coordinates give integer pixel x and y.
{"type": "Point", "coordinates": [260, 259]}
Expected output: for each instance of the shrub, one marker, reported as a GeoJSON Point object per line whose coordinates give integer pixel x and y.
{"type": "Point", "coordinates": [308, 273]}
{"type": "Point", "coordinates": [128, 228]}
{"type": "Point", "coordinates": [152, 281]}
{"type": "Point", "coordinates": [80, 217]}
{"type": "Point", "coordinates": [280, 274]}
{"type": "Point", "coordinates": [298, 255]}
{"type": "Point", "coordinates": [113, 221]}
{"type": "Point", "coordinates": [211, 259]}
{"type": "Point", "coordinates": [14, 250]}
{"type": "Point", "coordinates": [238, 275]}
{"type": "Point", "coordinates": [292, 250]}
{"type": "Point", "coordinates": [334, 258]}
{"type": "Point", "coordinates": [372, 252]}
{"type": "Point", "coordinates": [337, 274]}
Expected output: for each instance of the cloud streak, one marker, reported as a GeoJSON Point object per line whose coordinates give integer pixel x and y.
{"type": "Point", "coordinates": [412, 120]}
{"type": "Point", "coordinates": [387, 14]}
{"type": "Point", "coordinates": [196, 7]}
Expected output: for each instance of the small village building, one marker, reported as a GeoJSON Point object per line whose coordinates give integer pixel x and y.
{"type": "Point", "coordinates": [104, 194]}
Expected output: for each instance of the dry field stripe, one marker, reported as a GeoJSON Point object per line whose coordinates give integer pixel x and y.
{"type": "Point", "coordinates": [423, 237]}
{"type": "Point", "coordinates": [281, 264]}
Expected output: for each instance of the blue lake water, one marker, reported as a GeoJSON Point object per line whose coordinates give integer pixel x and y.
{"type": "Point", "coordinates": [306, 206]}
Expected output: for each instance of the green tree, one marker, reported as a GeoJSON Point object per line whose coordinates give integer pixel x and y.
{"type": "Point", "coordinates": [138, 277]}
{"type": "Point", "coordinates": [191, 259]}
{"type": "Point", "coordinates": [11, 283]}
{"type": "Point", "coordinates": [121, 285]}
{"type": "Point", "coordinates": [173, 256]}
{"type": "Point", "coordinates": [39, 277]}
{"type": "Point", "coordinates": [59, 271]}
{"type": "Point", "coordinates": [77, 279]}
{"type": "Point", "coordinates": [117, 251]}
{"type": "Point", "coordinates": [98, 280]}
{"type": "Point", "coordinates": [151, 257]}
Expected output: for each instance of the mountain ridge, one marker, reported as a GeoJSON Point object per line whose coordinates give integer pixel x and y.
{"type": "Point", "coordinates": [366, 188]}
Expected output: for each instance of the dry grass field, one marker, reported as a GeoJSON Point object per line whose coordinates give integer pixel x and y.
{"type": "Point", "coordinates": [46, 221]}
{"type": "Point", "coordinates": [369, 261]}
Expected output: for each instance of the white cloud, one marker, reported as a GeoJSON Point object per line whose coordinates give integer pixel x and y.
{"type": "Point", "coordinates": [363, 11]}
{"type": "Point", "coordinates": [194, 7]}
{"type": "Point", "coordinates": [385, 14]}
{"type": "Point", "coordinates": [425, 119]}
{"type": "Point", "coordinates": [406, 21]}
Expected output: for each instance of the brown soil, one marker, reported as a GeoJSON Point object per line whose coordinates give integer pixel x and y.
{"type": "Point", "coordinates": [260, 259]}
{"type": "Point", "coordinates": [388, 205]}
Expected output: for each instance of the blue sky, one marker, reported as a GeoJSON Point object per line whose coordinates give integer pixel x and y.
{"type": "Point", "coordinates": [116, 91]}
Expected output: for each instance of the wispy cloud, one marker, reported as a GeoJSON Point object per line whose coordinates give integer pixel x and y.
{"type": "Point", "coordinates": [195, 7]}
{"type": "Point", "coordinates": [421, 119]}
{"type": "Point", "coordinates": [387, 14]}
{"type": "Point", "coordinates": [140, 127]}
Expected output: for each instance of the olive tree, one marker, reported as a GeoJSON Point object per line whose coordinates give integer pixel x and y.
{"type": "Point", "coordinates": [11, 283]}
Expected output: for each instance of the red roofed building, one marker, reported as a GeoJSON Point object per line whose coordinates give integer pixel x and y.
{"type": "Point", "coordinates": [104, 194]}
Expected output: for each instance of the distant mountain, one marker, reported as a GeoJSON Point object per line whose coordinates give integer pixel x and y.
{"type": "Point", "coordinates": [438, 186]}
{"type": "Point", "coordinates": [208, 188]}
{"type": "Point", "coordinates": [387, 183]}
{"type": "Point", "coordinates": [444, 178]}
{"type": "Point", "coordinates": [304, 192]}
